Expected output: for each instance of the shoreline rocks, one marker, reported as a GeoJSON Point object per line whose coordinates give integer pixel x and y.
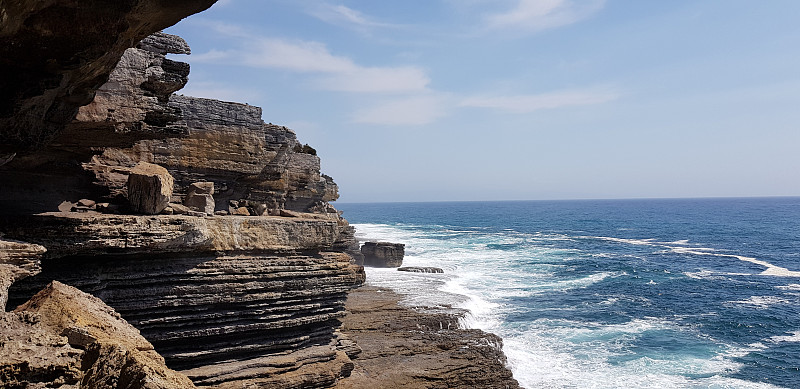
{"type": "Point", "coordinates": [405, 347]}
{"type": "Point", "coordinates": [383, 254]}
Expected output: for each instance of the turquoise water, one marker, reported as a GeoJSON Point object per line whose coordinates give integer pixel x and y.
{"type": "Point", "coordinates": [701, 293]}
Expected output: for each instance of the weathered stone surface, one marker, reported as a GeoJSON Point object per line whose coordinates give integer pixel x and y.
{"type": "Point", "coordinates": [423, 269]}
{"type": "Point", "coordinates": [383, 254]}
{"type": "Point", "coordinates": [54, 54]}
{"type": "Point", "coordinates": [200, 197]}
{"type": "Point", "coordinates": [149, 188]}
{"type": "Point", "coordinates": [63, 336]}
{"type": "Point", "coordinates": [407, 348]}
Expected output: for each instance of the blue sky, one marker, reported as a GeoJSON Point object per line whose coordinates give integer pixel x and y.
{"type": "Point", "coordinates": [518, 99]}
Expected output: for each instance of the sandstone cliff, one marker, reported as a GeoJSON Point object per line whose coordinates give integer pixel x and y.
{"type": "Point", "coordinates": [249, 296]}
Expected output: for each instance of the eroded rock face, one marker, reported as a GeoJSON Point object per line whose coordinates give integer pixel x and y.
{"type": "Point", "coordinates": [383, 254]}
{"type": "Point", "coordinates": [54, 54]}
{"type": "Point", "coordinates": [149, 188]}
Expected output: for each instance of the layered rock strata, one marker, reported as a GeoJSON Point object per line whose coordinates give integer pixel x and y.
{"type": "Point", "coordinates": [251, 297]}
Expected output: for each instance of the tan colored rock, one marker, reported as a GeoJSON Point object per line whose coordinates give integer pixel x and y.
{"type": "Point", "coordinates": [200, 197]}
{"type": "Point", "coordinates": [241, 211]}
{"type": "Point", "coordinates": [149, 188]}
{"type": "Point", "coordinates": [63, 336]}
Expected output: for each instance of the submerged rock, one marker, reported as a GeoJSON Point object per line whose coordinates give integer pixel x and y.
{"type": "Point", "coordinates": [418, 269]}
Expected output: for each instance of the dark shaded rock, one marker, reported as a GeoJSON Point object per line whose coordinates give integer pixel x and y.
{"type": "Point", "coordinates": [418, 269]}
{"type": "Point", "coordinates": [383, 254]}
{"type": "Point", "coordinates": [200, 197]}
{"type": "Point", "coordinates": [54, 54]}
{"type": "Point", "coordinates": [149, 188]}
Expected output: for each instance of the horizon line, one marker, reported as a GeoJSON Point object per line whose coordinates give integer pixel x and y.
{"type": "Point", "coordinates": [577, 199]}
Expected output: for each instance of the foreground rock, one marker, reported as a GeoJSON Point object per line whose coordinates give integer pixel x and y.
{"type": "Point", "coordinates": [383, 254]}
{"type": "Point", "coordinates": [63, 336]}
{"type": "Point", "coordinates": [405, 348]}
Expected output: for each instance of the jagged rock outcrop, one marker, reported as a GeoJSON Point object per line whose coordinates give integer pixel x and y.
{"type": "Point", "coordinates": [64, 337]}
{"type": "Point", "coordinates": [383, 254]}
{"type": "Point", "coordinates": [54, 54]}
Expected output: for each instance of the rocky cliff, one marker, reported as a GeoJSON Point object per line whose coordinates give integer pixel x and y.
{"type": "Point", "coordinates": [249, 294]}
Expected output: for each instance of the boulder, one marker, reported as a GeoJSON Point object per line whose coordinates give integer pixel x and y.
{"type": "Point", "coordinates": [421, 269]}
{"type": "Point", "coordinates": [383, 254]}
{"type": "Point", "coordinates": [149, 188]}
{"type": "Point", "coordinates": [200, 197]}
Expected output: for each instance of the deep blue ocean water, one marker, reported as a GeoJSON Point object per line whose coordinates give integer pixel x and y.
{"type": "Point", "coordinates": [688, 293]}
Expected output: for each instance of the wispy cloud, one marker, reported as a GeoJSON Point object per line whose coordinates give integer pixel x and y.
{"type": "Point", "coordinates": [347, 17]}
{"type": "Point", "coordinates": [551, 100]}
{"type": "Point", "coordinates": [535, 15]}
{"type": "Point", "coordinates": [411, 111]}
{"type": "Point", "coordinates": [334, 72]}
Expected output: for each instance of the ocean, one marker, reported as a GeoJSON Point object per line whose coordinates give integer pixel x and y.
{"type": "Point", "coordinates": [684, 293]}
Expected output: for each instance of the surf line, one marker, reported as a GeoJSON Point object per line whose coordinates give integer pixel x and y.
{"type": "Point", "coordinates": [772, 270]}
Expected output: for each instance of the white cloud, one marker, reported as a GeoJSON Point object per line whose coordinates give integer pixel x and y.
{"type": "Point", "coordinates": [530, 103]}
{"type": "Point", "coordinates": [374, 80]}
{"type": "Point", "coordinates": [299, 56]}
{"type": "Point", "coordinates": [543, 14]}
{"type": "Point", "coordinates": [338, 73]}
{"type": "Point", "coordinates": [410, 111]}
{"type": "Point", "coordinates": [342, 15]}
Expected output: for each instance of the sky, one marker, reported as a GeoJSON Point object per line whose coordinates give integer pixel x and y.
{"type": "Point", "coordinates": [462, 100]}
